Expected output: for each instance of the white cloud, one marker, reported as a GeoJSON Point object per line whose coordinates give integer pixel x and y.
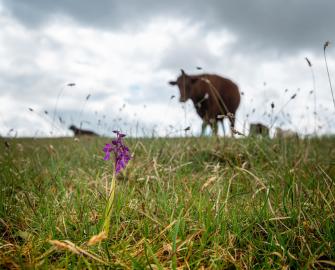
{"type": "Point", "coordinates": [131, 67]}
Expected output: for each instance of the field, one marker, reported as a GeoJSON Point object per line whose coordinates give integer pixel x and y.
{"type": "Point", "coordinates": [181, 203]}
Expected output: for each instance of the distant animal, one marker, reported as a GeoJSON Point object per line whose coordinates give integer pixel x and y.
{"type": "Point", "coordinates": [257, 129]}
{"type": "Point", "coordinates": [284, 134]}
{"type": "Point", "coordinates": [79, 131]}
{"type": "Point", "coordinates": [213, 97]}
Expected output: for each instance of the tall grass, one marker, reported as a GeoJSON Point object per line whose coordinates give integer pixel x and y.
{"type": "Point", "coordinates": [314, 92]}
{"type": "Point", "coordinates": [182, 203]}
{"type": "Point", "coordinates": [325, 46]}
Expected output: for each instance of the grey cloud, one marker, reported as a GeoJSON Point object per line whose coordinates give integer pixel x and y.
{"type": "Point", "coordinates": [106, 14]}
{"type": "Point", "coordinates": [260, 24]}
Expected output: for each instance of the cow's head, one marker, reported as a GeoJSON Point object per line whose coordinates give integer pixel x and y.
{"type": "Point", "coordinates": [184, 83]}
{"type": "Point", "coordinates": [72, 127]}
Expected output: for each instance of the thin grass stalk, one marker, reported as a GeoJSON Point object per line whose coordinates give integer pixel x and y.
{"type": "Point", "coordinates": [82, 110]}
{"type": "Point", "coordinates": [271, 120]}
{"type": "Point", "coordinates": [330, 82]}
{"type": "Point", "coordinates": [314, 90]}
{"type": "Point", "coordinates": [282, 109]}
{"type": "Point", "coordinates": [42, 116]}
{"type": "Point", "coordinates": [184, 92]}
{"type": "Point", "coordinates": [55, 109]}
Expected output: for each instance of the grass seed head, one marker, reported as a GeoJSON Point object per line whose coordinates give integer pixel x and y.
{"type": "Point", "coordinates": [95, 239]}
{"type": "Point", "coordinates": [308, 62]}
{"type": "Point", "coordinates": [327, 43]}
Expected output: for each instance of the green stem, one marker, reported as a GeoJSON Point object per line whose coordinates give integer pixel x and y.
{"type": "Point", "coordinates": [109, 206]}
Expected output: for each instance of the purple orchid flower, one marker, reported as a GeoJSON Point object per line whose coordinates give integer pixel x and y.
{"type": "Point", "coordinates": [121, 152]}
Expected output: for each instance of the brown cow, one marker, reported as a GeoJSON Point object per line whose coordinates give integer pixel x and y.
{"type": "Point", "coordinates": [213, 97]}
{"type": "Point", "coordinates": [79, 131]}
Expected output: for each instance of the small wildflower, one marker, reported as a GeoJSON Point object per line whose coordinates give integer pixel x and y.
{"type": "Point", "coordinates": [121, 152]}
{"type": "Point", "coordinates": [122, 157]}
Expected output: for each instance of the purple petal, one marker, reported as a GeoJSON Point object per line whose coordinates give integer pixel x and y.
{"type": "Point", "coordinates": [107, 156]}
{"type": "Point", "coordinates": [115, 142]}
{"type": "Point", "coordinates": [119, 134]}
{"type": "Point", "coordinates": [107, 147]}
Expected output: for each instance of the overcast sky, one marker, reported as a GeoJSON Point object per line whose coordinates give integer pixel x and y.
{"type": "Point", "coordinates": [121, 54]}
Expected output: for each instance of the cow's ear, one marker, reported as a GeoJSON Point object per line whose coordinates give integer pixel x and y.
{"type": "Point", "coordinates": [172, 82]}
{"type": "Point", "coordinates": [194, 80]}
{"type": "Point", "coordinates": [182, 72]}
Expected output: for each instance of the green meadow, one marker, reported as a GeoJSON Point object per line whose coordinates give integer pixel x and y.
{"type": "Point", "coordinates": [181, 203]}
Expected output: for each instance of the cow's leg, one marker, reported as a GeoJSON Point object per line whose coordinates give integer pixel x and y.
{"type": "Point", "coordinates": [214, 126]}
{"type": "Point", "coordinates": [223, 127]}
{"type": "Point", "coordinates": [232, 125]}
{"type": "Point", "coordinates": [203, 128]}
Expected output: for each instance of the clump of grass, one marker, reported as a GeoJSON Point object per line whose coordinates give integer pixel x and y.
{"type": "Point", "coordinates": [187, 203]}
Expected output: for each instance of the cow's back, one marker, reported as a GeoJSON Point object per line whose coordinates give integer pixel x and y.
{"type": "Point", "coordinates": [227, 90]}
